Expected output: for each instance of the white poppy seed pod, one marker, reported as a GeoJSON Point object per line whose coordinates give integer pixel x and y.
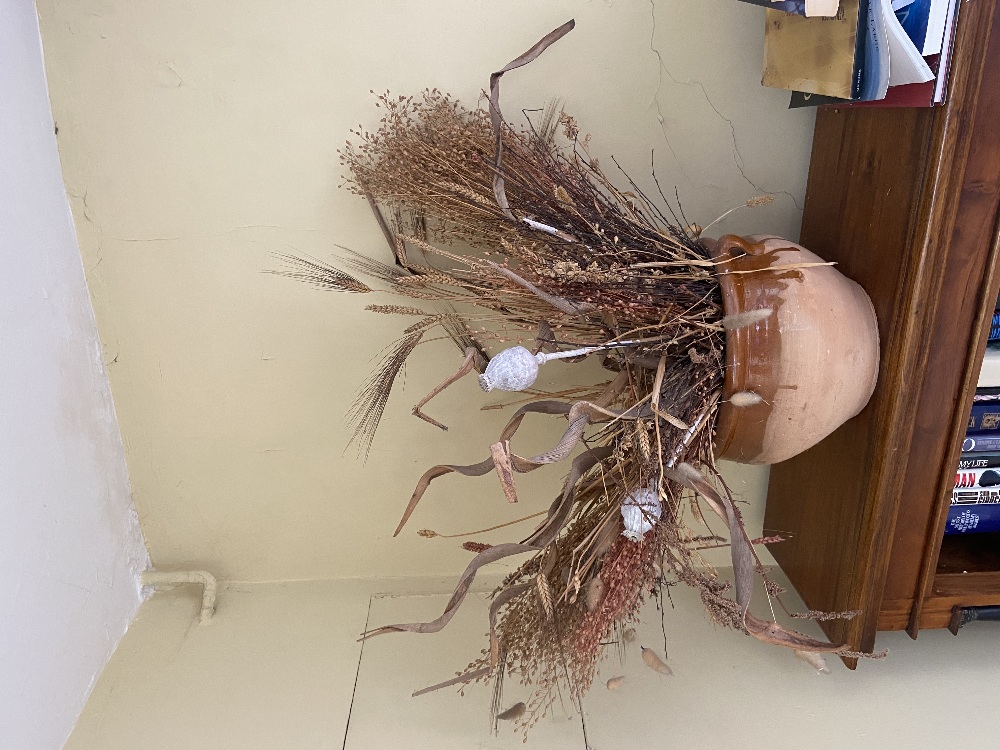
{"type": "Point", "coordinates": [516, 368]}
{"type": "Point", "coordinates": [512, 369]}
{"type": "Point", "coordinates": [640, 512]}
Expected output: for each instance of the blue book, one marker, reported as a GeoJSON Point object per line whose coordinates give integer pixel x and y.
{"type": "Point", "coordinates": [974, 511]}
{"type": "Point", "coordinates": [976, 442]}
{"type": "Point", "coordinates": [985, 417]}
{"type": "Point", "coordinates": [924, 22]}
{"type": "Point", "coordinates": [871, 63]}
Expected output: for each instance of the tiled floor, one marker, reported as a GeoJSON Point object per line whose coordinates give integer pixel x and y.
{"type": "Point", "coordinates": [279, 667]}
{"type": "Point", "coordinates": [726, 690]}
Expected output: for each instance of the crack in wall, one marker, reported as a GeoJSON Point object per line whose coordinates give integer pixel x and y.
{"type": "Point", "coordinates": [90, 219]}
{"type": "Point", "coordinates": [737, 156]}
{"type": "Point", "coordinates": [656, 101]}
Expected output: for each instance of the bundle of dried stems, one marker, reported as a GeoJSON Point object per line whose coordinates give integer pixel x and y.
{"type": "Point", "coordinates": [524, 229]}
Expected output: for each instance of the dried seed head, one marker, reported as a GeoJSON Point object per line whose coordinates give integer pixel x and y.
{"type": "Point", "coordinates": [605, 539]}
{"type": "Point", "coordinates": [745, 398]}
{"type": "Point", "coordinates": [545, 595]}
{"type": "Point", "coordinates": [476, 547]}
{"type": "Point", "coordinates": [760, 200]}
{"type": "Point", "coordinates": [654, 662]}
{"type": "Point", "coordinates": [574, 587]}
{"type": "Point", "coordinates": [514, 712]}
{"type": "Point", "coordinates": [395, 310]}
{"type": "Point", "coordinates": [746, 318]}
{"type": "Point", "coordinates": [815, 660]}
{"type": "Point", "coordinates": [695, 356]}
{"type": "Point", "coordinates": [629, 635]}
{"type": "Point", "coordinates": [616, 682]}
{"type": "Point", "coordinates": [643, 437]}
{"type": "Point", "coordinates": [595, 594]}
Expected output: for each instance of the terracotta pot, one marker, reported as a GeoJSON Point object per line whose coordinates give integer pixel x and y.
{"type": "Point", "coordinates": [813, 361]}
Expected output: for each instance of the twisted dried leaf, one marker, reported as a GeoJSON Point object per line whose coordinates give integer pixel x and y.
{"type": "Point", "coordinates": [464, 677]}
{"type": "Point", "coordinates": [742, 555]}
{"type": "Point", "coordinates": [496, 118]}
{"type": "Point", "coordinates": [485, 557]}
{"type": "Point", "coordinates": [771, 632]}
{"type": "Point", "coordinates": [571, 437]}
{"type": "Point", "coordinates": [500, 452]}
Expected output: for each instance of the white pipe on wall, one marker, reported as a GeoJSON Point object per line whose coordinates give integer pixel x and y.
{"type": "Point", "coordinates": [203, 577]}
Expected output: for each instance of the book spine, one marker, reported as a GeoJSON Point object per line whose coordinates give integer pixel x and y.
{"type": "Point", "coordinates": [978, 461]}
{"type": "Point", "coordinates": [964, 518]}
{"type": "Point", "coordinates": [979, 442]}
{"type": "Point", "coordinates": [860, 51]}
{"type": "Point", "coordinates": [977, 478]}
{"type": "Point", "coordinates": [985, 417]}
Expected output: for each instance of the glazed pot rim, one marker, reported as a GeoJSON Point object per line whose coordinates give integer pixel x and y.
{"type": "Point", "coordinates": [737, 339]}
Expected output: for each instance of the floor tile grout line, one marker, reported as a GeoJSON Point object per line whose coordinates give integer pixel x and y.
{"type": "Point", "coordinates": [357, 674]}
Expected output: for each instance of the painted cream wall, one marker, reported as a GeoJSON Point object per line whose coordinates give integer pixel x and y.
{"type": "Point", "coordinates": [70, 545]}
{"type": "Point", "coordinates": [199, 139]}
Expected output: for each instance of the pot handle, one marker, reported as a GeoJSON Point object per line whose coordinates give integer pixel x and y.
{"type": "Point", "coordinates": [728, 242]}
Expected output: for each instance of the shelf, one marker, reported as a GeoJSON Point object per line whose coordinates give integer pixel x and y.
{"type": "Point", "coordinates": [907, 202]}
{"type": "Point", "coordinates": [969, 553]}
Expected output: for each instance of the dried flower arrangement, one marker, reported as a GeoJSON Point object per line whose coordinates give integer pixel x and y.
{"type": "Point", "coordinates": [525, 233]}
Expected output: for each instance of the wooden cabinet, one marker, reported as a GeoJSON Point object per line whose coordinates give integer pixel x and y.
{"type": "Point", "coordinates": [907, 202]}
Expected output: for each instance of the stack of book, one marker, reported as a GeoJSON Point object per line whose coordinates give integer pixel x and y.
{"type": "Point", "coordinates": [975, 501]}
{"type": "Point", "coordinates": [989, 373]}
{"type": "Point", "coordinates": [888, 53]}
